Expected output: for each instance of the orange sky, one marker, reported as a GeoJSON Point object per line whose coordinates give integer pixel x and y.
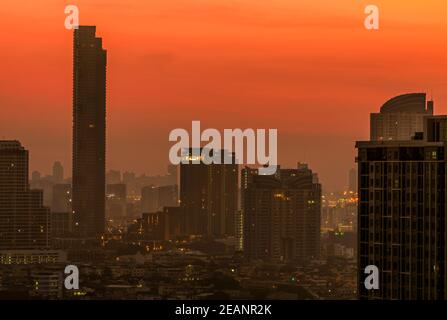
{"type": "Point", "coordinates": [305, 67]}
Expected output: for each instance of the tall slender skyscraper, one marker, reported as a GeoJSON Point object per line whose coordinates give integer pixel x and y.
{"type": "Point", "coordinates": [89, 132]}
{"type": "Point", "coordinates": [24, 221]}
{"type": "Point", "coordinates": [247, 175]}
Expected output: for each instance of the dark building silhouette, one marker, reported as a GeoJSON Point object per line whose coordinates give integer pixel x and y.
{"type": "Point", "coordinates": [89, 112]}
{"type": "Point", "coordinates": [24, 221]}
{"type": "Point", "coordinates": [209, 196]}
{"type": "Point", "coordinates": [281, 216]}
{"type": "Point", "coordinates": [61, 224]}
{"type": "Point", "coordinates": [402, 214]}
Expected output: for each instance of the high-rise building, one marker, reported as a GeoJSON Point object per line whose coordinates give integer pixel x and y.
{"type": "Point", "coordinates": [58, 172]}
{"type": "Point", "coordinates": [402, 215]}
{"type": "Point", "coordinates": [209, 195]}
{"type": "Point", "coordinates": [24, 221]}
{"type": "Point", "coordinates": [89, 128]}
{"type": "Point", "coordinates": [282, 216]}
{"type": "Point", "coordinates": [400, 117]}
{"type": "Point", "coordinates": [247, 175]}
{"type": "Point", "coordinates": [61, 224]}
{"type": "Point", "coordinates": [223, 197]}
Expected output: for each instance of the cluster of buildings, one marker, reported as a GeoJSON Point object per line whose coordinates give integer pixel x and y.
{"type": "Point", "coordinates": [224, 217]}
{"type": "Point", "coordinates": [219, 231]}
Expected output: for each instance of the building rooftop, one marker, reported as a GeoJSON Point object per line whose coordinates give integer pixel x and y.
{"type": "Point", "coordinates": [10, 144]}
{"type": "Point", "coordinates": [397, 143]}
{"type": "Point", "coordinates": [407, 103]}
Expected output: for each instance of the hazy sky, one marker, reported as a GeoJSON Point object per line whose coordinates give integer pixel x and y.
{"type": "Point", "coordinates": [305, 67]}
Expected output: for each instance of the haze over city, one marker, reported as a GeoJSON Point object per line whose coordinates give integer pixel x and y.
{"type": "Point", "coordinates": [307, 68]}
{"type": "Point", "coordinates": [224, 157]}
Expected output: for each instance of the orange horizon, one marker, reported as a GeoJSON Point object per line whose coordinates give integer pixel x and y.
{"type": "Point", "coordinates": [307, 68]}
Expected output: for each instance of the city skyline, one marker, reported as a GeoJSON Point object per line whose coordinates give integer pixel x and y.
{"type": "Point", "coordinates": [183, 71]}
{"type": "Point", "coordinates": [352, 211]}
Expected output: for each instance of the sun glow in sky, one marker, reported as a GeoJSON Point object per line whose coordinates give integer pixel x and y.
{"type": "Point", "coordinates": [306, 67]}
